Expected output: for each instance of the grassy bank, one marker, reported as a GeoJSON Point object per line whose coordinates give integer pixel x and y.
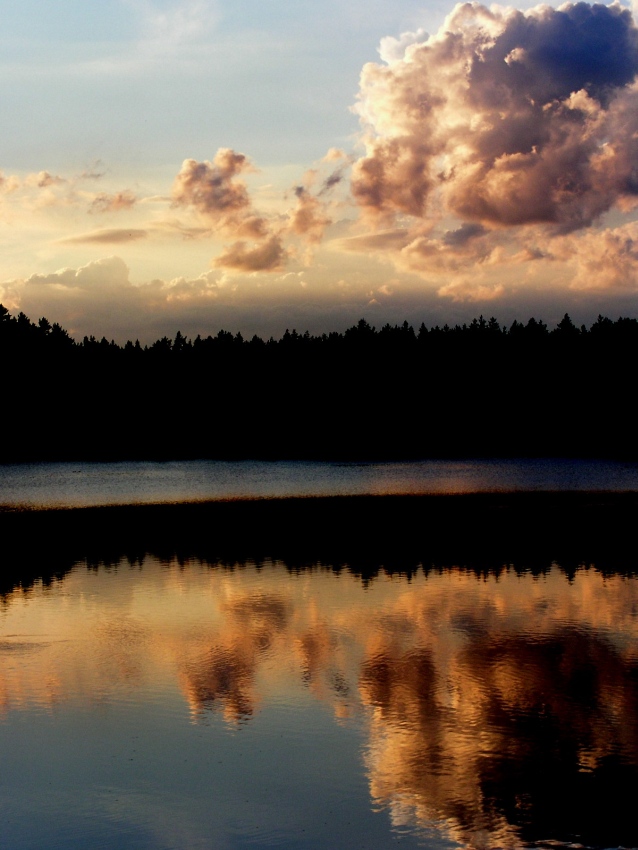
{"type": "Point", "coordinates": [481, 532]}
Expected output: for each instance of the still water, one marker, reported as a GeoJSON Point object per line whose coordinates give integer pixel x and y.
{"type": "Point", "coordinates": [197, 705]}
{"type": "Point", "coordinates": [83, 484]}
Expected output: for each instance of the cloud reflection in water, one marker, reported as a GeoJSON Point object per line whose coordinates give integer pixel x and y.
{"type": "Point", "coordinates": [495, 710]}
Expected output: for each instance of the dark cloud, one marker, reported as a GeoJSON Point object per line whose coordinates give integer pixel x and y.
{"type": "Point", "coordinates": [462, 235]}
{"type": "Point", "coordinates": [576, 47]}
{"type": "Point", "coordinates": [334, 178]}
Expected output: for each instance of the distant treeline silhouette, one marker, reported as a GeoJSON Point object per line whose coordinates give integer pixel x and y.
{"type": "Point", "coordinates": [477, 389]}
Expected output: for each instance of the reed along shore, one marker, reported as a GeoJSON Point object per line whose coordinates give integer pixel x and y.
{"type": "Point", "coordinates": [485, 532]}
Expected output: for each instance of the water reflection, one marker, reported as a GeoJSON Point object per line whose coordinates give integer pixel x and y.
{"type": "Point", "coordinates": [495, 711]}
{"type": "Point", "coordinates": [528, 741]}
{"type": "Point", "coordinates": [146, 482]}
{"type": "Point", "coordinates": [224, 674]}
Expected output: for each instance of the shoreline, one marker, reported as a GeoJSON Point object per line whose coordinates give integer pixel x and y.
{"type": "Point", "coordinates": [493, 495]}
{"type": "Point", "coordinates": [483, 532]}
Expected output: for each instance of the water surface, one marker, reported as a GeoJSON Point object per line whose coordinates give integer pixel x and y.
{"type": "Point", "coordinates": [84, 484]}
{"type": "Point", "coordinates": [195, 705]}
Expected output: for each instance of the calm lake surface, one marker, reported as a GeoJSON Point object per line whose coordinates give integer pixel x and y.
{"type": "Point", "coordinates": [173, 700]}
{"type": "Point", "coordinates": [84, 484]}
{"type": "Point", "coordinates": [154, 705]}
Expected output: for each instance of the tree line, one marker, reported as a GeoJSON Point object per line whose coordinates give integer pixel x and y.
{"type": "Point", "coordinates": [477, 389]}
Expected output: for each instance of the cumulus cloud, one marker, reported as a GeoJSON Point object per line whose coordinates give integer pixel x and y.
{"type": "Point", "coordinates": [270, 256]}
{"type": "Point", "coordinates": [604, 259]}
{"type": "Point", "coordinates": [455, 249]}
{"type": "Point", "coordinates": [221, 198]}
{"type": "Point", "coordinates": [8, 184]}
{"type": "Point", "coordinates": [105, 273]}
{"type": "Point", "coordinates": [334, 155]}
{"type": "Point", "coordinates": [106, 203]}
{"type": "Point", "coordinates": [505, 117]}
{"type": "Point", "coordinates": [100, 298]}
{"type": "Point", "coordinates": [103, 298]}
{"type": "Point", "coordinates": [36, 180]}
{"type": "Point", "coordinates": [514, 124]}
{"type": "Point", "coordinates": [111, 275]}
{"type": "Point", "coordinates": [394, 49]}
{"type": "Point", "coordinates": [423, 249]}
{"type": "Point", "coordinates": [214, 190]}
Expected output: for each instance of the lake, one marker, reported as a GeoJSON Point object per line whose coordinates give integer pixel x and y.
{"type": "Point", "coordinates": [439, 655]}
{"type": "Point", "coordinates": [196, 705]}
{"type": "Point", "coordinates": [83, 484]}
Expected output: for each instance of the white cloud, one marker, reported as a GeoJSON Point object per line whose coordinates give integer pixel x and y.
{"type": "Point", "coordinates": [395, 49]}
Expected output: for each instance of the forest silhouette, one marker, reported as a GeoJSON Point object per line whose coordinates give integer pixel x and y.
{"type": "Point", "coordinates": [477, 389]}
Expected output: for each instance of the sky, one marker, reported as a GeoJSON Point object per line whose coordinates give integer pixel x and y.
{"type": "Point", "coordinates": [202, 164]}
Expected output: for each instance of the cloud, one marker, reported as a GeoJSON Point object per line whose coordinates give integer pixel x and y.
{"type": "Point", "coordinates": [42, 180]}
{"type": "Point", "coordinates": [105, 237]}
{"type": "Point", "coordinates": [308, 218]}
{"type": "Point", "coordinates": [502, 139]}
{"type": "Point", "coordinates": [215, 191]}
{"type": "Point", "coordinates": [269, 256]}
{"type": "Point", "coordinates": [8, 184]}
{"type": "Point", "coordinates": [470, 291]}
{"type": "Point", "coordinates": [464, 234]}
{"type": "Point", "coordinates": [334, 155]}
{"type": "Point", "coordinates": [105, 203]}
{"type": "Point", "coordinates": [420, 249]}
{"type": "Point", "coordinates": [212, 188]}
{"type": "Point", "coordinates": [604, 259]}
{"type": "Point", "coordinates": [108, 273]}
{"type": "Point", "coordinates": [103, 298]}
{"type": "Point", "coordinates": [94, 172]}
{"type": "Point", "coordinates": [394, 49]}
{"type": "Point", "coordinates": [425, 253]}
{"type": "Point", "coordinates": [381, 240]}
{"type": "Point", "coordinates": [505, 117]}
{"type": "Point", "coordinates": [37, 180]}
{"type": "Point", "coordinates": [168, 27]}
{"type": "Point", "coordinates": [174, 227]}
{"type": "Point", "coordinates": [100, 298]}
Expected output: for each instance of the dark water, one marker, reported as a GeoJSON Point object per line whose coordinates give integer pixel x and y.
{"type": "Point", "coordinates": [167, 705]}
{"type": "Point", "coordinates": [83, 484]}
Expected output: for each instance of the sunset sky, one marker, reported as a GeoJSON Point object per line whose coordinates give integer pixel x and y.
{"type": "Point", "coordinates": [202, 164]}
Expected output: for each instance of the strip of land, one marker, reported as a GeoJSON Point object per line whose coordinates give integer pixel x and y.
{"type": "Point", "coordinates": [484, 532]}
